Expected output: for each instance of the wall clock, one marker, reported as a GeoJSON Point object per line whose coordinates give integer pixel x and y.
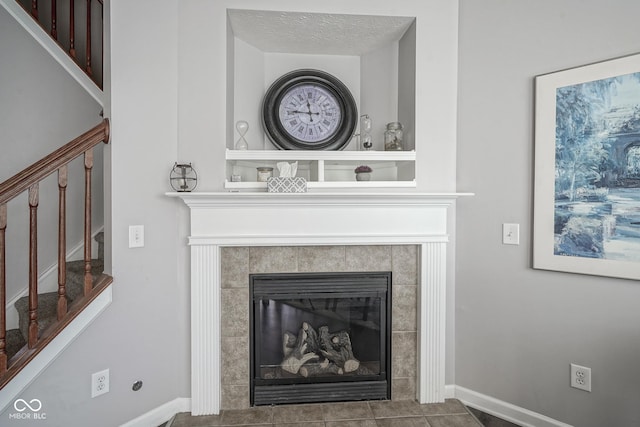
{"type": "Point", "coordinates": [309, 110]}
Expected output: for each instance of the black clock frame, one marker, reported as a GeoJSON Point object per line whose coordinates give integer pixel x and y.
{"type": "Point", "coordinates": [278, 89]}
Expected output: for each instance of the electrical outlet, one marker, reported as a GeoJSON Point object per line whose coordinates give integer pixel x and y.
{"type": "Point", "coordinates": [580, 377]}
{"type": "Point", "coordinates": [99, 383]}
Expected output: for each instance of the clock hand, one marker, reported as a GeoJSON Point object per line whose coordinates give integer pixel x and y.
{"type": "Point", "coordinates": [304, 112]}
{"type": "Point", "coordinates": [310, 114]}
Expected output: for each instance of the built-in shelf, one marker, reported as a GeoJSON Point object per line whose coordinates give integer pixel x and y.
{"type": "Point", "coordinates": [293, 155]}
{"type": "Point", "coordinates": [377, 67]}
{"type": "Point", "coordinates": [325, 169]}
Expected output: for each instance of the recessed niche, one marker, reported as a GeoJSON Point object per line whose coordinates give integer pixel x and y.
{"type": "Point", "coordinates": [373, 55]}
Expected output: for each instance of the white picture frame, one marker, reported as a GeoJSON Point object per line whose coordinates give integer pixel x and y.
{"type": "Point", "coordinates": [587, 170]}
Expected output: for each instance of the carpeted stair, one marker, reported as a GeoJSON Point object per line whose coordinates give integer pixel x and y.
{"type": "Point", "coordinates": [48, 302]}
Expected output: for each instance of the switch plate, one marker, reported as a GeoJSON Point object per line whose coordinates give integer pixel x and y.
{"type": "Point", "coordinates": [511, 234]}
{"type": "Point", "coordinates": [136, 236]}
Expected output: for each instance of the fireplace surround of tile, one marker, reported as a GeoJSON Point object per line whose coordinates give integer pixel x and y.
{"type": "Point", "coordinates": [233, 234]}
{"type": "Point", "coordinates": [237, 263]}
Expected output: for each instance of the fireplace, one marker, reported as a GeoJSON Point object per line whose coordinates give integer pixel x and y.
{"type": "Point", "coordinates": [320, 337]}
{"type": "Point", "coordinates": [353, 219]}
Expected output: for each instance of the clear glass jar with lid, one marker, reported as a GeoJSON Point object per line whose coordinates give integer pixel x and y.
{"type": "Point", "coordinates": [393, 137]}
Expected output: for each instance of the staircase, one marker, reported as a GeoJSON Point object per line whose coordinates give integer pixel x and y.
{"type": "Point", "coordinates": [48, 301]}
{"type": "Point", "coordinates": [72, 32]}
{"type": "Point", "coordinates": [76, 26]}
{"type": "Point", "coordinates": [44, 316]}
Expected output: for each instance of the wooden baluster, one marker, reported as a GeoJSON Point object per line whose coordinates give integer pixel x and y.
{"type": "Point", "coordinates": [62, 242]}
{"type": "Point", "coordinates": [88, 165]}
{"type": "Point", "coordinates": [33, 266]}
{"type": "Point", "coordinates": [3, 291]}
{"type": "Point", "coordinates": [54, 20]}
{"type": "Point", "coordinates": [88, 46]}
{"type": "Point", "coordinates": [72, 29]}
{"type": "Point", "coordinates": [34, 9]}
{"type": "Point", "coordinates": [102, 44]}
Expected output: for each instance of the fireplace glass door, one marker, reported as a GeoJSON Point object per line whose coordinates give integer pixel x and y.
{"type": "Point", "coordinates": [320, 337]}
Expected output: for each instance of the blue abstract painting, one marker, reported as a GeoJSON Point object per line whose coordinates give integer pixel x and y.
{"type": "Point", "coordinates": [597, 169]}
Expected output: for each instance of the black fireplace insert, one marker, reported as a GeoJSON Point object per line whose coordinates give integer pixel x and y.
{"type": "Point", "coordinates": [320, 337]}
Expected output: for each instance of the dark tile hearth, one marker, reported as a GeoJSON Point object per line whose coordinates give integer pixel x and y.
{"type": "Point", "coordinates": [451, 413]}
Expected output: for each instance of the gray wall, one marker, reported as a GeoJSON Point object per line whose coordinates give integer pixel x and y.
{"type": "Point", "coordinates": [517, 329]}
{"type": "Point", "coordinates": [41, 108]}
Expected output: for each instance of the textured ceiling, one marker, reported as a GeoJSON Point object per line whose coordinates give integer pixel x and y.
{"type": "Point", "coordinates": [316, 33]}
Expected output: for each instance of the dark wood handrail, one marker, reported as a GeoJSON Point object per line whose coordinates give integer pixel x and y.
{"type": "Point", "coordinates": [46, 166]}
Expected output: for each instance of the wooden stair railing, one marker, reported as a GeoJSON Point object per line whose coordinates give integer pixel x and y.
{"type": "Point", "coordinates": [29, 180]}
{"type": "Point", "coordinates": [65, 23]}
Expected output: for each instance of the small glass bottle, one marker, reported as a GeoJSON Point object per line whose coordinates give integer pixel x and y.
{"type": "Point", "coordinates": [264, 173]}
{"type": "Point", "coordinates": [365, 132]}
{"type": "Point", "coordinates": [393, 137]}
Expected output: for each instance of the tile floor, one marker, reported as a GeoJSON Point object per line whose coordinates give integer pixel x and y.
{"type": "Point", "coordinates": [451, 413]}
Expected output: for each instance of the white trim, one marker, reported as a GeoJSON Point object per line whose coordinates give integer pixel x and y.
{"type": "Point", "coordinates": [450, 391]}
{"type": "Point", "coordinates": [501, 409]}
{"type": "Point", "coordinates": [161, 414]}
{"type": "Point", "coordinates": [319, 155]}
{"type": "Point", "coordinates": [55, 347]}
{"type": "Point", "coordinates": [51, 46]}
{"type": "Point", "coordinates": [291, 240]}
{"type": "Point", "coordinates": [206, 335]}
{"type": "Point", "coordinates": [205, 200]}
{"type": "Point", "coordinates": [47, 281]}
{"type": "Point", "coordinates": [432, 322]}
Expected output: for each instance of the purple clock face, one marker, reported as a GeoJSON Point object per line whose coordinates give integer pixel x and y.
{"type": "Point", "coordinates": [310, 113]}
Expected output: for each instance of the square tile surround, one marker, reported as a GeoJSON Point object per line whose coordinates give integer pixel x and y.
{"type": "Point", "coordinates": [238, 262]}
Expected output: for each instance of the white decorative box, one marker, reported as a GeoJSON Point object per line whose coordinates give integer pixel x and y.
{"type": "Point", "coordinates": [280, 184]}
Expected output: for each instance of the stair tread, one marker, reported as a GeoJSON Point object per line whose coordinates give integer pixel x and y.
{"type": "Point", "coordinates": [48, 301]}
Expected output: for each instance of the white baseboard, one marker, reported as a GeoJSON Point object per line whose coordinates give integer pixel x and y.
{"type": "Point", "coordinates": [48, 280]}
{"type": "Point", "coordinates": [55, 347]}
{"type": "Point", "coordinates": [506, 411]}
{"type": "Point", "coordinates": [161, 414]}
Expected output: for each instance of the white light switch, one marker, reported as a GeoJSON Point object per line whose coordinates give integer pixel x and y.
{"type": "Point", "coordinates": [136, 236]}
{"type": "Point", "coordinates": [511, 234]}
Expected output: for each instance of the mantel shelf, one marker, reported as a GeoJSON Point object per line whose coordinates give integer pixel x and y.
{"type": "Point", "coordinates": [352, 197]}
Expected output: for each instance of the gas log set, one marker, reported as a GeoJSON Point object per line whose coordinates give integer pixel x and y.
{"type": "Point", "coordinates": [320, 337]}
{"type": "Point", "coordinates": [318, 353]}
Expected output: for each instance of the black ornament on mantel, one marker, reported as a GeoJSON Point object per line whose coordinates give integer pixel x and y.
{"type": "Point", "coordinates": [183, 177]}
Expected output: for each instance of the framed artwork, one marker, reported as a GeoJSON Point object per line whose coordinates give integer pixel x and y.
{"type": "Point", "coordinates": [587, 170]}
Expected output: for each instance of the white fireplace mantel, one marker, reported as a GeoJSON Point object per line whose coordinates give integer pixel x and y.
{"type": "Point", "coordinates": [346, 218]}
